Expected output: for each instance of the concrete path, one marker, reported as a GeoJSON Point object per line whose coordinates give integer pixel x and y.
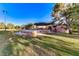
{"type": "Point", "coordinates": [60, 37]}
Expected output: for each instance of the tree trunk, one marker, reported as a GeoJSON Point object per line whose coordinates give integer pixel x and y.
{"type": "Point", "coordinates": [68, 26]}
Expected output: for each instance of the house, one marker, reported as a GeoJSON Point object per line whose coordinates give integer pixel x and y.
{"type": "Point", "coordinates": [56, 26]}
{"type": "Point", "coordinates": [43, 25]}
{"type": "Point", "coordinates": [61, 25]}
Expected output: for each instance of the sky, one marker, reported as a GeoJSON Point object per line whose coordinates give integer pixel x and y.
{"type": "Point", "coordinates": [24, 13]}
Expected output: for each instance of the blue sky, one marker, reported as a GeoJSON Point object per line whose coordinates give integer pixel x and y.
{"type": "Point", "coordinates": [24, 13]}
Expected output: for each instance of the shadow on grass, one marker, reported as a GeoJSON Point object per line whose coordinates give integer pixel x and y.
{"type": "Point", "coordinates": [7, 51]}
{"type": "Point", "coordinates": [57, 46]}
{"type": "Point", "coordinates": [61, 48]}
{"type": "Point", "coordinates": [42, 46]}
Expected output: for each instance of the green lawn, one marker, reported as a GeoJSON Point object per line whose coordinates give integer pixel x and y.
{"type": "Point", "coordinates": [3, 40]}
{"type": "Point", "coordinates": [49, 45]}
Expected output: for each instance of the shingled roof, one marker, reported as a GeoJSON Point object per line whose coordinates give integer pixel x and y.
{"type": "Point", "coordinates": [42, 24]}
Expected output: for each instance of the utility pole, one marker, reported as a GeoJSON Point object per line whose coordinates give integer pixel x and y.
{"type": "Point", "coordinates": [5, 12]}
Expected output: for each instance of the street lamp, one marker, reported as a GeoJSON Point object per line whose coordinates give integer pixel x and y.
{"type": "Point", "coordinates": [5, 12]}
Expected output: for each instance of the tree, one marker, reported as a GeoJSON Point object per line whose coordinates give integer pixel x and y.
{"type": "Point", "coordinates": [17, 27]}
{"type": "Point", "coordinates": [2, 25]}
{"type": "Point", "coordinates": [72, 14]}
{"type": "Point", "coordinates": [70, 11]}
{"type": "Point", "coordinates": [28, 26]}
{"type": "Point", "coordinates": [10, 26]}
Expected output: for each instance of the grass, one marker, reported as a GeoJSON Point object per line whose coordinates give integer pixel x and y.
{"type": "Point", "coordinates": [49, 45]}
{"type": "Point", "coordinates": [3, 40]}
